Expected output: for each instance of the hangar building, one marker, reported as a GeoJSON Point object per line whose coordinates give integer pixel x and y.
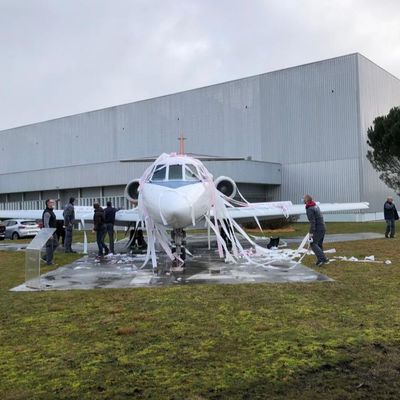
{"type": "Point", "coordinates": [300, 129]}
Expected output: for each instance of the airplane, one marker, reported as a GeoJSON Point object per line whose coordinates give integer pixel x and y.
{"type": "Point", "coordinates": [177, 192]}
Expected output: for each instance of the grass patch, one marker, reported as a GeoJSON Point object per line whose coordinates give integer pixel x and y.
{"type": "Point", "coordinates": [331, 340]}
{"type": "Point", "coordinates": [301, 228]}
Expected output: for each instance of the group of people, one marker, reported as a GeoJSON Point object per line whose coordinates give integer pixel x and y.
{"type": "Point", "coordinates": [104, 220]}
{"type": "Point", "coordinates": [103, 223]}
{"type": "Point", "coordinates": [49, 220]}
{"type": "Point", "coordinates": [317, 225]}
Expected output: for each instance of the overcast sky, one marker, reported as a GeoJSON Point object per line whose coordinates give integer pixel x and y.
{"type": "Point", "coordinates": [62, 57]}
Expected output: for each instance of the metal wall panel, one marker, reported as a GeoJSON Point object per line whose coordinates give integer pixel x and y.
{"type": "Point", "coordinates": [50, 194]}
{"type": "Point", "coordinates": [114, 190]}
{"type": "Point", "coordinates": [218, 120]}
{"type": "Point", "coordinates": [91, 192]}
{"type": "Point", "coordinates": [309, 113]}
{"type": "Point", "coordinates": [379, 92]}
{"type": "Point", "coordinates": [15, 197]}
{"type": "Point", "coordinates": [327, 181]}
{"type": "Point", "coordinates": [31, 196]}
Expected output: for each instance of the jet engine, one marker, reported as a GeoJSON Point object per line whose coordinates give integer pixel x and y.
{"type": "Point", "coordinates": [226, 186]}
{"type": "Point", "coordinates": [132, 191]}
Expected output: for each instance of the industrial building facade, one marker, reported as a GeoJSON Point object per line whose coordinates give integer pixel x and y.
{"type": "Point", "coordinates": [300, 130]}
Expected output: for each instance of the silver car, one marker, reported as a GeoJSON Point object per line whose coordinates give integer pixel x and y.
{"type": "Point", "coordinates": [19, 228]}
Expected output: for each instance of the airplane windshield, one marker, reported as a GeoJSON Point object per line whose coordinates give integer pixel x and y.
{"type": "Point", "coordinates": [178, 174]}
{"type": "Point", "coordinates": [190, 173]}
{"type": "Point", "coordinates": [175, 172]}
{"type": "Point", "coordinates": [159, 173]}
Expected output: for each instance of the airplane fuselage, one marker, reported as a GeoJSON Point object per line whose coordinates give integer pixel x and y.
{"type": "Point", "coordinates": [176, 203]}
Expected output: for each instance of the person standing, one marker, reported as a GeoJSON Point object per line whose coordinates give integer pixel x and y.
{"type": "Point", "coordinates": [317, 229]}
{"type": "Point", "coordinates": [69, 220]}
{"type": "Point", "coordinates": [60, 233]}
{"type": "Point", "coordinates": [390, 215]}
{"type": "Point", "coordinates": [100, 228]}
{"type": "Point", "coordinates": [49, 220]}
{"type": "Point", "coordinates": [109, 217]}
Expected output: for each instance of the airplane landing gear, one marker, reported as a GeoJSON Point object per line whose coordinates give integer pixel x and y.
{"type": "Point", "coordinates": [178, 238]}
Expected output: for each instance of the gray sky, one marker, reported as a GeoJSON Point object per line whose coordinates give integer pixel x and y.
{"type": "Point", "coordinates": [62, 57]}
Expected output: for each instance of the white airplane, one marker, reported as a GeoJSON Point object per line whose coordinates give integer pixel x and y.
{"type": "Point", "coordinates": [176, 192]}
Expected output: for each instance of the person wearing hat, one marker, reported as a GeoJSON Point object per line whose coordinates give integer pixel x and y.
{"type": "Point", "coordinates": [69, 220]}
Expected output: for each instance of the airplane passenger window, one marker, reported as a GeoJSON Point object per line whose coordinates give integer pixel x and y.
{"type": "Point", "coordinates": [175, 172]}
{"type": "Point", "coordinates": [190, 173]}
{"type": "Point", "coordinates": [159, 173]}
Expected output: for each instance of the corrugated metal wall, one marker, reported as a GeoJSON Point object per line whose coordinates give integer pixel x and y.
{"type": "Point", "coordinates": [379, 92]}
{"type": "Point", "coordinates": [326, 181]}
{"type": "Point", "coordinates": [309, 123]}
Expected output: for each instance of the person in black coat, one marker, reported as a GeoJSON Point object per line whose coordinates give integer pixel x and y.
{"type": "Point", "coordinates": [109, 215]}
{"type": "Point", "coordinates": [100, 228]}
{"type": "Point", "coordinates": [49, 220]}
{"type": "Point", "coordinates": [317, 229]}
{"type": "Point", "coordinates": [390, 215]}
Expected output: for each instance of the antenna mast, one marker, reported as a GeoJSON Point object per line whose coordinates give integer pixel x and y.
{"type": "Point", "coordinates": [181, 144]}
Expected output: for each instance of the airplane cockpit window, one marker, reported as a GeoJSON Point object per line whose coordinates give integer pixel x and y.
{"type": "Point", "coordinates": [175, 175]}
{"type": "Point", "coordinates": [175, 172]}
{"type": "Point", "coordinates": [190, 173]}
{"type": "Point", "coordinates": [159, 173]}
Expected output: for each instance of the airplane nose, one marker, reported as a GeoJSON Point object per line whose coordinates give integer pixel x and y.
{"type": "Point", "coordinates": [175, 209]}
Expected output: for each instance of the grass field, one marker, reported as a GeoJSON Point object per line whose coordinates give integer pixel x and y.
{"type": "Point", "coordinates": [327, 340]}
{"type": "Point", "coordinates": [300, 229]}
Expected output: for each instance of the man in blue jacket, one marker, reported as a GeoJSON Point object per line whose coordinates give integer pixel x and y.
{"type": "Point", "coordinates": [317, 229]}
{"type": "Point", "coordinates": [390, 215]}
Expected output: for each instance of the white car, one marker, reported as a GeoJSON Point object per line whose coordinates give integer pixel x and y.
{"type": "Point", "coordinates": [19, 228]}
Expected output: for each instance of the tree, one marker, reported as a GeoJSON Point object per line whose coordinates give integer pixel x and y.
{"type": "Point", "coordinates": [384, 138]}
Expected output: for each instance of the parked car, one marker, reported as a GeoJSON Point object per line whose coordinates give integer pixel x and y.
{"type": "Point", "coordinates": [2, 231]}
{"type": "Point", "coordinates": [19, 228]}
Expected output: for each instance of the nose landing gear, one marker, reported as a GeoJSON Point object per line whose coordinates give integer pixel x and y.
{"type": "Point", "coordinates": [178, 239]}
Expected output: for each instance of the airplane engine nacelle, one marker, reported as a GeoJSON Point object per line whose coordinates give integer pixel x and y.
{"type": "Point", "coordinates": [226, 186]}
{"type": "Point", "coordinates": [132, 191]}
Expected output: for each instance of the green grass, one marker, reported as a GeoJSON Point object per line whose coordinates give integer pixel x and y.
{"type": "Point", "coordinates": [300, 229]}
{"type": "Point", "coordinates": [328, 340]}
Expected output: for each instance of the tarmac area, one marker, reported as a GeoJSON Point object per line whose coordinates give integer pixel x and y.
{"type": "Point", "coordinates": [126, 270]}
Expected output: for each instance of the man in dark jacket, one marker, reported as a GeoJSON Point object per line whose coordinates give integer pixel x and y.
{"type": "Point", "coordinates": [69, 220]}
{"type": "Point", "coordinates": [50, 221]}
{"type": "Point", "coordinates": [317, 229]}
{"type": "Point", "coordinates": [100, 228]}
{"type": "Point", "coordinates": [109, 216]}
{"type": "Point", "coordinates": [391, 215]}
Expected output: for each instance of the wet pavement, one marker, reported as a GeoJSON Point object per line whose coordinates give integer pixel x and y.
{"type": "Point", "coordinates": [203, 267]}
{"type": "Point", "coordinates": [124, 271]}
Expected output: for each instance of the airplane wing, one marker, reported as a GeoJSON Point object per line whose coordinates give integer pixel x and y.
{"type": "Point", "coordinates": [286, 209]}
{"type": "Point", "coordinates": [82, 213]}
